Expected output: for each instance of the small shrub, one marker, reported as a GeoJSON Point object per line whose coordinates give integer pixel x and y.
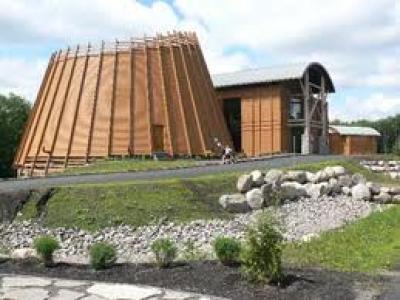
{"type": "Point", "coordinates": [165, 252]}
{"type": "Point", "coordinates": [102, 256]}
{"type": "Point", "coordinates": [227, 250]}
{"type": "Point", "coordinates": [262, 253]}
{"type": "Point", "coordinates": [45, 247]}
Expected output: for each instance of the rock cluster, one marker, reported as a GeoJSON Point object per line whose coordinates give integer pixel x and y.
{"type": "Point", "coordinates": [391, 167]}
{"type": "Point", "coordinates": [258, 190]}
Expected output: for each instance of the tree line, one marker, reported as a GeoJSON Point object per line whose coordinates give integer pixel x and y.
{"type": "Point", "coordinates": [388, 127]}
{"type": "Point", "coordinates": [14, 112]}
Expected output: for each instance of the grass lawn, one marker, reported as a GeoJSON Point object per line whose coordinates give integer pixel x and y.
{"type": "Point", "coordinates": [368, 245]}
{"type": "Point", "coordinates": [136, 203]}
{"type": "Point", "coordinates": [125, 165]}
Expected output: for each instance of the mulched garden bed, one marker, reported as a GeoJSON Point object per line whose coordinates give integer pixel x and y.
{"type": "Point", "coordinates": [208, 277]}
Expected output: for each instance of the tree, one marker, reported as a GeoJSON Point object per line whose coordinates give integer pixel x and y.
{"type": "Point", "coordinates": [14, 112]}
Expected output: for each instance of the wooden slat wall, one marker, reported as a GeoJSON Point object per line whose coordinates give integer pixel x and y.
{"type": "Point", "coordinates": [107, 101]}
{"type": "Point", "coordinates": [264, 118]}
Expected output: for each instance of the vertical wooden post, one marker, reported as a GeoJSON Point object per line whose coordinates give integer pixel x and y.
{"type": "Point", "coordinates": [307, 122]}
{"type": "Point", "coordinates": [114, 85]}
{"type": "Point", "coordinates": [55, 136]}
{"type": "Point", "coordinates": [78, 104]}
{"type": "Point", "coordinates": [33, 114]}
{"type": "Point", "coordinates": [196, 112]}
{"type": "Point", "coordinates": [131, 147]}
{"type": "Point", "coordinates": [94, 107]}
{"type": "Point", "coordinates": [149, 96]}
{"type": "Point", "coordinates": [175, 74]}
{"type": "Point", "coordinates": [50, 111]}
{"type": "Point", "coordinates": [165, 100]}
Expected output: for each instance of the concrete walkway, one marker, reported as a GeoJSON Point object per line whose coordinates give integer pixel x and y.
{"type": "Point", "coordinates": [275, 162]}
{"type": "Point", "coordinates": [17, 287]}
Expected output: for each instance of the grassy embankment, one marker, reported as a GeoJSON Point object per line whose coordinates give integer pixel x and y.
{"type": "Point", "coordinates": [128, 165]}
{"type": "Point", "coordinates": [367, 245]}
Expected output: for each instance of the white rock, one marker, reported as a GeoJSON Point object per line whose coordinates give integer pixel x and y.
{"type": "Point", "coordinates": [373, 187]}
{"type": "Point", "coordinates": [23, 253]}
{"type": "Point", "coordinates": [310, 177]}
{"type": "Point", "coordinates": [345, 180]}
{"type": "Point", "coordinates": [395, 199]}
{"type": "Point", "coordinates": [274, 176]}
{"type": "Point", "coordinates": [346, 190]}
{"type": "Point", "coordinates": [298, 176]}
{"type": "Point", "coordinates": [334, 186]}
{"type": "Point", "coordinates": [395, 190]}
{"type": "Point", "coordinates": [235, 203]}
{"type": "Point", "coordinates": [255, 199]}
{"type": "Point", "coordinates": [361, 192]}
{"type": "Point", "coordinates": [292, 190]}
{"type": "Point", "coordinates": [382, 198]}
{"type": "Point", "coordinates": [315, 190]}
{"type": "Point", "coordinates": [330, 172]}
{"type": "Point", "coordinates": [339, 171]}
{"type": "Point", "coordinates": [257, 177]}
{"type": "Point", "coordinates": [320, 176]}
{"type": "Point", "coordinates": [244, 183]}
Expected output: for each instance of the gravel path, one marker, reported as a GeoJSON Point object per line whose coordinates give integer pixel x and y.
{"type": "Point", "coordinates": [301, 219]}
{"type": "Point", "coordinates": [24, 184]}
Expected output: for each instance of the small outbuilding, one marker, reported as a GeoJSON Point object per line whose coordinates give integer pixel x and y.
{"type": "Point", "coordinates": [349, 140]}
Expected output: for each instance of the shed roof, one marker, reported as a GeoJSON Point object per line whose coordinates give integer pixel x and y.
{"type": "Point", "coordinates": [352, 130]}
{"type": "Point", "coordinates": [273, 74]}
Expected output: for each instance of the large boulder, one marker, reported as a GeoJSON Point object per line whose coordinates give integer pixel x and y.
{"type": "Point", "coordinates": [235, 203]}
{"type": "Point", "coordinates": [395, 199]}
{"type": "Point", "coordinates": [334, 187]}
{"type": "Point", "coordinates": [345, 180]}
{"type": "Point", "coordinates": [267, 192]}
{"type": "Point", "coordinates": [244, 183]}
{"type": "Point", "coordinates": [298, 176]}
{"type": "Point", "coordinates": [320, 176]}
{"type": "Point", "coordinates": [339, 171]}
{"type": "Point", "coordinates": [310, 176]}
{"type": "Point", "coordinates": [257, 177]}
{"type": "Point", "coordinates": [274, 176]}
{"type": "Point", "coordinates": [373, 187]}
{"type": "Point", "coordinates": [358, 178]}
{"type": "Point", "coordinates": [255, 199]}
{"type": "Point", "coordinates": [361, 192]}
{"type": "Point", "coordinates": [330, 172]}
{"type": "Point", "coordinates": [315, 190]}
{"type": "Point", "coordinates": [395, 190]}
{"type": "Point", "coordinates": [292, 190]}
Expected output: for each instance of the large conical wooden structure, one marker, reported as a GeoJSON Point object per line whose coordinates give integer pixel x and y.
{"type": "Point", "coordinates": [134, 97]}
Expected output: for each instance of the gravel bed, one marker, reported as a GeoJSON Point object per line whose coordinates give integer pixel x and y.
{"type": "Point", "coordinates": [301, 220]}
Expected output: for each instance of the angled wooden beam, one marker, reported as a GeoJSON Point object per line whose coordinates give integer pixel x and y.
{"type": "Point", "coordinates": [28, 127]}
{"type": "Point", "coordinates": [131, 147]}
{"type": "Point", "coordinates": [114, 84]}
{"type": "Point", "coordinates": [55, 136]}
{"type": "Point", "coordinates": [46, 122]}
{"type": "Point", "coordinates": [192, 100]}
{"type": "Point", "coordinates": [94, 107]}
{"type": "Point", "coordinates": [185, 121]}
{"type": "Point", "coordinates": [165, 101]}
{"type": "Point", "coordinates": [78, 104]}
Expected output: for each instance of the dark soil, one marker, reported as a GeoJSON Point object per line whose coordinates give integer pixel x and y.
{"type": "Point", "coordinates": [211, 278]}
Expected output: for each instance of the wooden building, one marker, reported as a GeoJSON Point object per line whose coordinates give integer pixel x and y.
{"type": "Point", "coordinates": [277, 110]}
{"type": "Point", "coordinates": [131, 97]}
{"type": "Point", "coordinates": [348, 140]}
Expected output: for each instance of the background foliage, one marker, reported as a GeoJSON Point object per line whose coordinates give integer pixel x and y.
{"type": "Point", "coordinates": [14, 111]}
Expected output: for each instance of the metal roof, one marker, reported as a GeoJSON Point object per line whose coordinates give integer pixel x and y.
{"type": "Point", "coordinates": [350, 130]}
{"type": "Point", "coordinates": [269, 75]}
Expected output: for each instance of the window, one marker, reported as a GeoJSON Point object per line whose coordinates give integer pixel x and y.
{"type": "Point", "coordinates": [296, 109]}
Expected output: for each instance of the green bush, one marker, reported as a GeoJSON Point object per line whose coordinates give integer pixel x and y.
{"type": "Point", "coordinates": [165, 251]}
{"type": "Point", "coordinates": [45, 247]}
{"type": "Point", "coordinates": [102, 256]}
{"type": "Point", "coordinates": [262, 253]}
{"type": "Point", "coordinates": [227, 250]}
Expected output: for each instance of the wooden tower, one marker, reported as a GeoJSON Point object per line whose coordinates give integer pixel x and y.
{"type": "Point", "coordinates": [131, 98]}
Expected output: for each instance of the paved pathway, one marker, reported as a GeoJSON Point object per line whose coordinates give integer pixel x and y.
{"type": "Point", "coordinates": [21, 184]}
{"type": "Point", "coordinates": [17, 287]}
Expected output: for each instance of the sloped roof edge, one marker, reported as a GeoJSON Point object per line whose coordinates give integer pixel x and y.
{"type": "Point", "coordinates": [352, 130]}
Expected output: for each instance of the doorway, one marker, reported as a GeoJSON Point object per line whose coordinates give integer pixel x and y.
{"type": "Point", "coordinates": [158, 138]}
{"type": "Point", "coordinates": [233, 118]}
{"type": "Point", "coordinates": [296, 133]}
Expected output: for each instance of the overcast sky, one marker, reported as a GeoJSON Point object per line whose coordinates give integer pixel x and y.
{"type": "Point", "coordinates": [357, 40]}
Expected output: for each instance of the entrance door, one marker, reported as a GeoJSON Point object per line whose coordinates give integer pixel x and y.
{"type": "Point", "coordinates": [158, 138]}
{"type": "Point", "coordinates": [233, 118]}
{"type": "Point", "coordinates": [296, 139]}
